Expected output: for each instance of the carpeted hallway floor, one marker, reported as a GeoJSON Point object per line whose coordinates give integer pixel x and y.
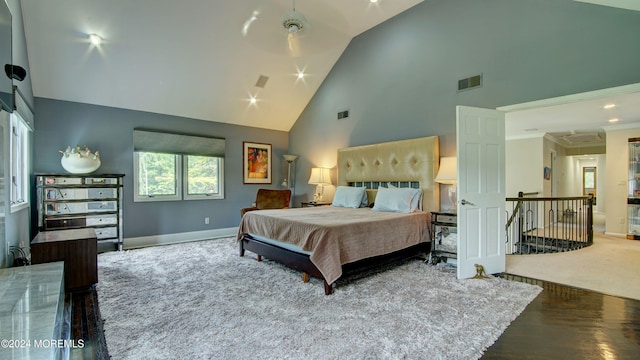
{"type": "Point", "coordinates": [610, 266]}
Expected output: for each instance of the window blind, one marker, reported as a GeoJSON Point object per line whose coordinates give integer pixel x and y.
{"type": "Point", "coordinates": [172, 143]}
{"type": "Point", "coordinates": [22, 108]}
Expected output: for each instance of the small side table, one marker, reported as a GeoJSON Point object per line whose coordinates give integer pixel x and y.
{"type": "Point", "coordinates": [444, 235]}
{"type": "Point", "coordinates": [314, 203]}
{"type": "Point", "coordinates": [78, 248]}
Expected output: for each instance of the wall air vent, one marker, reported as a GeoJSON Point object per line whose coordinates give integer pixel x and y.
{"type": "Point", "coordinates": [343, 114]}
{"type": "Point", "coordinates": [262, 81]}
{"type": "Point", "coordinates": [470, 83]}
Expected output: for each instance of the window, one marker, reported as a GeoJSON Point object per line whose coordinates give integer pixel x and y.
{"type": "Point", "coordinates": [170, 177]}
{"type": "Point", "coordinates": [19, 142]}
{"type": "Point", "coordinates": [170, 166]}
{"type": "Point", "coordinates": [589, 180]}
{"type": "Point", "coordinates": [203, 178]}
{"type": "Point", "coordinates": [157, 176]}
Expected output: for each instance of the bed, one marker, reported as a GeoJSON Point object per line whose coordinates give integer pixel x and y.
{"type": "Point", "coordinates": [321, 241]}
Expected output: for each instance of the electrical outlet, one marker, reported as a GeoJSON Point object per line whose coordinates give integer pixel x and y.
{"type": "Point", "coordinates": [206, 220]}
{"type": "Point", "coordinates": [22, 244]}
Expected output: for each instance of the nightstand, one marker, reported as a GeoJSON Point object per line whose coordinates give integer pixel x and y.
{"type": "Point", "coordinates": [78, 248]}
{"type": "Point", "coordinates": [314, 203]}
{"type": "Point", "coordinates": [444, 237]}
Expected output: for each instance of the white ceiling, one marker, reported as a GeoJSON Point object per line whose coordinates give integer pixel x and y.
{"type": "Point", "coordinates": [190, 58]}
{"type": "Point", "coordinates": [623, 4]}
{"type": "Point", "coordinates": [578, 114]}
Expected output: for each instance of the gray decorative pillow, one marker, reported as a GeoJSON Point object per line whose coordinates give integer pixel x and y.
{"type": "Point", "coordinates": [350, 197]}
{"type": "Point", "coordinates": [404, 200]}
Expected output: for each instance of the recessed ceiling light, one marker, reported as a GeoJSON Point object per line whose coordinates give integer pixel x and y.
{"type": "Point", "coordinates": [300, 75]}
{"type": "Point", "coordinates": [373, 1]}
{"type": "Point", "coordinates": [95, 39]}
{"type": "Point", "coordinates": [609, 106]}
{"type": "Point", "coordinates": [614, 120]}
{"type": "Point", "coordinates": [253, 100]}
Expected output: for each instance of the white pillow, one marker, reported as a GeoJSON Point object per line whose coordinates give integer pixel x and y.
{"type": "Point", "coordinates": [404, 200]}
{"type": "Point", "coordinates": [350, 197]}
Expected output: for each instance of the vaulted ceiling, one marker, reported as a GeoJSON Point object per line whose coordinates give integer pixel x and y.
{"type": "Point", "coordinates": [203, 59]}
{"type": "Point", "coordinates": [199, 59]}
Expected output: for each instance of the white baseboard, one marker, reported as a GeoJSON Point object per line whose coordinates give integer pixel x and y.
{"type": "Point", "coordinates": [615, 234]}
{"type": "Point", "coordinates": [165, 239]}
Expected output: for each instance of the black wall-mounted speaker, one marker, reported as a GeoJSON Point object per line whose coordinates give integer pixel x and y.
{"type": "Point", "coordinates": [15, 72]}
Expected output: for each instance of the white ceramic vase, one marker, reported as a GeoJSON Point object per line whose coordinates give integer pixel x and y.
{"type": "Point", "coordinates": [79, 165]}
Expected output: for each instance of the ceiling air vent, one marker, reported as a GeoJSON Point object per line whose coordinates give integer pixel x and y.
{"type": "Point", "coordinates": [470, 83]}
{"type": "Point", "coordinates": [578, 138]}
{"type": "Point", "coordinates": [262, 81]}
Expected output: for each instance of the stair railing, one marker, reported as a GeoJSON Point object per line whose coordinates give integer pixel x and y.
{"type": "Point", "coordinates": [550, 224]}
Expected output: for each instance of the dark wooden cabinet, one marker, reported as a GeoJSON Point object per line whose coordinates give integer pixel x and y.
{"type": "Point", "coordinates": [78, 248]}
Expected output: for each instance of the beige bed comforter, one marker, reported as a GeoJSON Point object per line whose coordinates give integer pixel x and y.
{"type": "Point", "coordinates": [337, 236]}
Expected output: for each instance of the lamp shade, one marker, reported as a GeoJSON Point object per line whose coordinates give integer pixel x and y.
{"type": "Point", "coordinates": [288, 182]}
{"type": "Point", "coordinates": [320, 176]}
{"type": "Point", "coordinates": [448, 171]}
{"type": "Point", "coordinates": [289, 158]}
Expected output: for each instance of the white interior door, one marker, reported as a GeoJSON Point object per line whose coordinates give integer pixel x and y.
{"type": "Point", "coordinates": [481, 190]}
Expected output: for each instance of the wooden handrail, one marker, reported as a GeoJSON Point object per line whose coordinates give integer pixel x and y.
{"type": "Point", "coordinates": [550, 198]}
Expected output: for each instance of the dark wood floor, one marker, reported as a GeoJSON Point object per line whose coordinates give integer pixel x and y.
{"type": "Point", "coordinates": [86, 324]}
{"type": "Point", "coordinates": [569, 323]}
{"type": "Point", "coordinates": [561, 323]}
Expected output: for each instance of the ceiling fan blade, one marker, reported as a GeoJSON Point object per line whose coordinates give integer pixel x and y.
{"type": "Point", "coordinates": [249, 21]}
{"type": "Point", "coordinates": [269, 28]}
{"type": "Point", "coordinates": [294, 46]}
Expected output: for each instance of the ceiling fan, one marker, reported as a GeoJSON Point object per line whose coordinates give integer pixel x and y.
{"type": "Point", "coordinates": [294, 21]}
{"type": "Point", "coordinates": [296, 25]}
{"type": "Point", "coordinates": [289, 32]}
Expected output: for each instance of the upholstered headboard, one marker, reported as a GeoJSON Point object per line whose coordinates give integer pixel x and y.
{"type": "Point", "coordinates": [404, 163]}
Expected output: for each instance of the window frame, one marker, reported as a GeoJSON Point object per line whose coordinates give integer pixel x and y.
{"type": "Point", "coordinates": [185, 175]}
{"type": "Point", "coordinates": [589, 190]}
{"type": "Point", "coordinates": [177, 196]}
{"type": "Point", "coordinates": [182, 181]}
{"type": "Point", "coordinates": [19, 163]}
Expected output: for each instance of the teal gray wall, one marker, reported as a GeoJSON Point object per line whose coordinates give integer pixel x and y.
{"type": "Point", "coordinates": [110, 130]}
{"type": "Point", "coordinates": [16, 225]}
{"type": "Point", "coordinates": [399, 80]}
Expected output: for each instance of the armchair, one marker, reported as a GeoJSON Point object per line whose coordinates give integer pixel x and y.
{"type": "Point", "coordinates": [269, 199]}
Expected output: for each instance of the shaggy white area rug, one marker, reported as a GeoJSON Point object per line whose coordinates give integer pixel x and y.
{"type": "Point", "coordinates": [202, 301]}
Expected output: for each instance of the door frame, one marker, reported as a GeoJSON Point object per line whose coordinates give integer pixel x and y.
{"type": "Point", "coordinates": [610, 217]}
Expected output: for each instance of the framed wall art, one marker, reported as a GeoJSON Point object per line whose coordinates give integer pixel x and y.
{"type": "Point", "coordinates": [256, 158]}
